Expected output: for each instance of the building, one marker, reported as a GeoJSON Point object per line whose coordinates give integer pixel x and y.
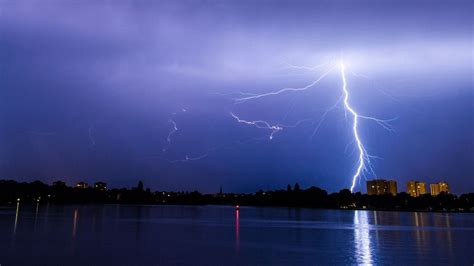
{"type": "Point", "coordinates": [100, 186]}
{"type": "Point", "coordinates": [82, 185]}
{"type": "Point", "coordinates": [439, 187]}
{"type": "Point", "coordinates": [392, 187]}
{"type": "Point", "coordinates": [415, 188]}
{"type": "Point", "coordinates": [381, 187]}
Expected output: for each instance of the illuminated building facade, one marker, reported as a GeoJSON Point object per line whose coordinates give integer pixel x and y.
{"type": "Point", "coordinates": [437, 188]}
{"type": "Point", "coordinates": [100, 186]}
{"type": "Point", "coordinates": [82, 185]}
{"type": "Point", "coordinates": [392, 187]}
{"type": "Point", "coordinates": [415, 188]}
{"type": "Point", "coordinates": [381, 187]}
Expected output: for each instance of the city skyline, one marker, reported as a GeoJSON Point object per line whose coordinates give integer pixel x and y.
{"type": "Point", "coordinates": [376, 186]}
{"type": "Point", "coordinates": [381, 186]}
{"type": "Point", "coordinates": [153, 91]}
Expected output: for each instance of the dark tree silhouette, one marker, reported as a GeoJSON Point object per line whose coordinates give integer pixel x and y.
{"type": "Point", "coordinates": [140, 186]}
{"type": "Point", "coordinates": [297, 188]}
{"type": "Point", "coordinates": [313, 197]}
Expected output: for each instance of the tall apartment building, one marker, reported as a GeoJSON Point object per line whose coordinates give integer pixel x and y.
{"type": "Point", "coordinates": [439, 187]}
{"type": "Point", "coordinates": [415, 188]}
{"type": "Point", "coordinates": [381, 187]}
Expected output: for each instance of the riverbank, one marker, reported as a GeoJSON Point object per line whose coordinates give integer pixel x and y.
{"type": "Point", "coordinates": [12, 192]}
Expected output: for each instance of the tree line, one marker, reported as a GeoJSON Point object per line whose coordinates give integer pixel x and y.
{"type": "Point", "coordinates": [12, 191]}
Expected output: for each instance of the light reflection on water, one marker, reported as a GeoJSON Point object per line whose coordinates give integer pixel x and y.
{"type": "Point", "coordinates": [203, 235]}
{"type": "Point", "coordinates": [237, 243]}
{"type": "Point", "coordinates": [74, 223]}
{"type": "Point", "coordinates": [16, 217]}
{"type": "Point", "coordinates": [363, 247]}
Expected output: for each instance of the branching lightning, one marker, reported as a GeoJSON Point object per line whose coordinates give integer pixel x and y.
{"type": "Point", "coordinates": [311, 68]}
{"type": "Point", "coordinates": [188, 158]}
{"type": "Point", "coordinates": [266, 125]}
{"type": "Point", "coordinates": [323, 116]}
{"type": "Point", "coordinates": [259, 124]}
{"type": "Point", "coordinates": [309, 86]}
{"type": "Point", "coordinates": [173, 130]}
{"type": "Point", "coordinates": [363, 156]}
{"type": "Point", "coordinates": [364, 159]}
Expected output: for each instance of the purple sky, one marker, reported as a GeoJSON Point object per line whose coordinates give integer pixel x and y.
{"type": "Point", "coordinates": [88, 89]}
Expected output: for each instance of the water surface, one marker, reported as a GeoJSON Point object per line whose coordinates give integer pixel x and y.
{"type": "Point", "coordinates": [220, 235]}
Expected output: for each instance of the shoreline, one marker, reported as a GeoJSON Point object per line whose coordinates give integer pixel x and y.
{"type": "Point", "coordinates": [13, 193]}
{"type": "Point", "coordinates": [13, 206]}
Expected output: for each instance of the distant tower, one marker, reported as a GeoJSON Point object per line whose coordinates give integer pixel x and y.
{"type": "Point", "coordinates": [220, 190]}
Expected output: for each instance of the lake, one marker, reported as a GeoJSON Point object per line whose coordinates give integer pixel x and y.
{"type": "Point", "coordinates": [47, 234]}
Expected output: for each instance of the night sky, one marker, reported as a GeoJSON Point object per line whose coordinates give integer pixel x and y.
{"type": "Point", "coordinates": [88, 90]}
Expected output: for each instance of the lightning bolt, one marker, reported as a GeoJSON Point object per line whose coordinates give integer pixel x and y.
{"type": "Point", "coordinates": [173, 130]}
{"type": "Point", "coordinates": [364, 159]}
{"type": "Point", "coordinates": [253, 96]}
{"type": "Point", "coordinates": [189, 158]}
{"type": "Point", "coordinates": [259, 124]}
{"type": "Point", "coordinates": [266, 125]}
{"type": "Point", "coordinates": [363, 156]}
{"type": "Point", "coordinates": [257, 96]}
